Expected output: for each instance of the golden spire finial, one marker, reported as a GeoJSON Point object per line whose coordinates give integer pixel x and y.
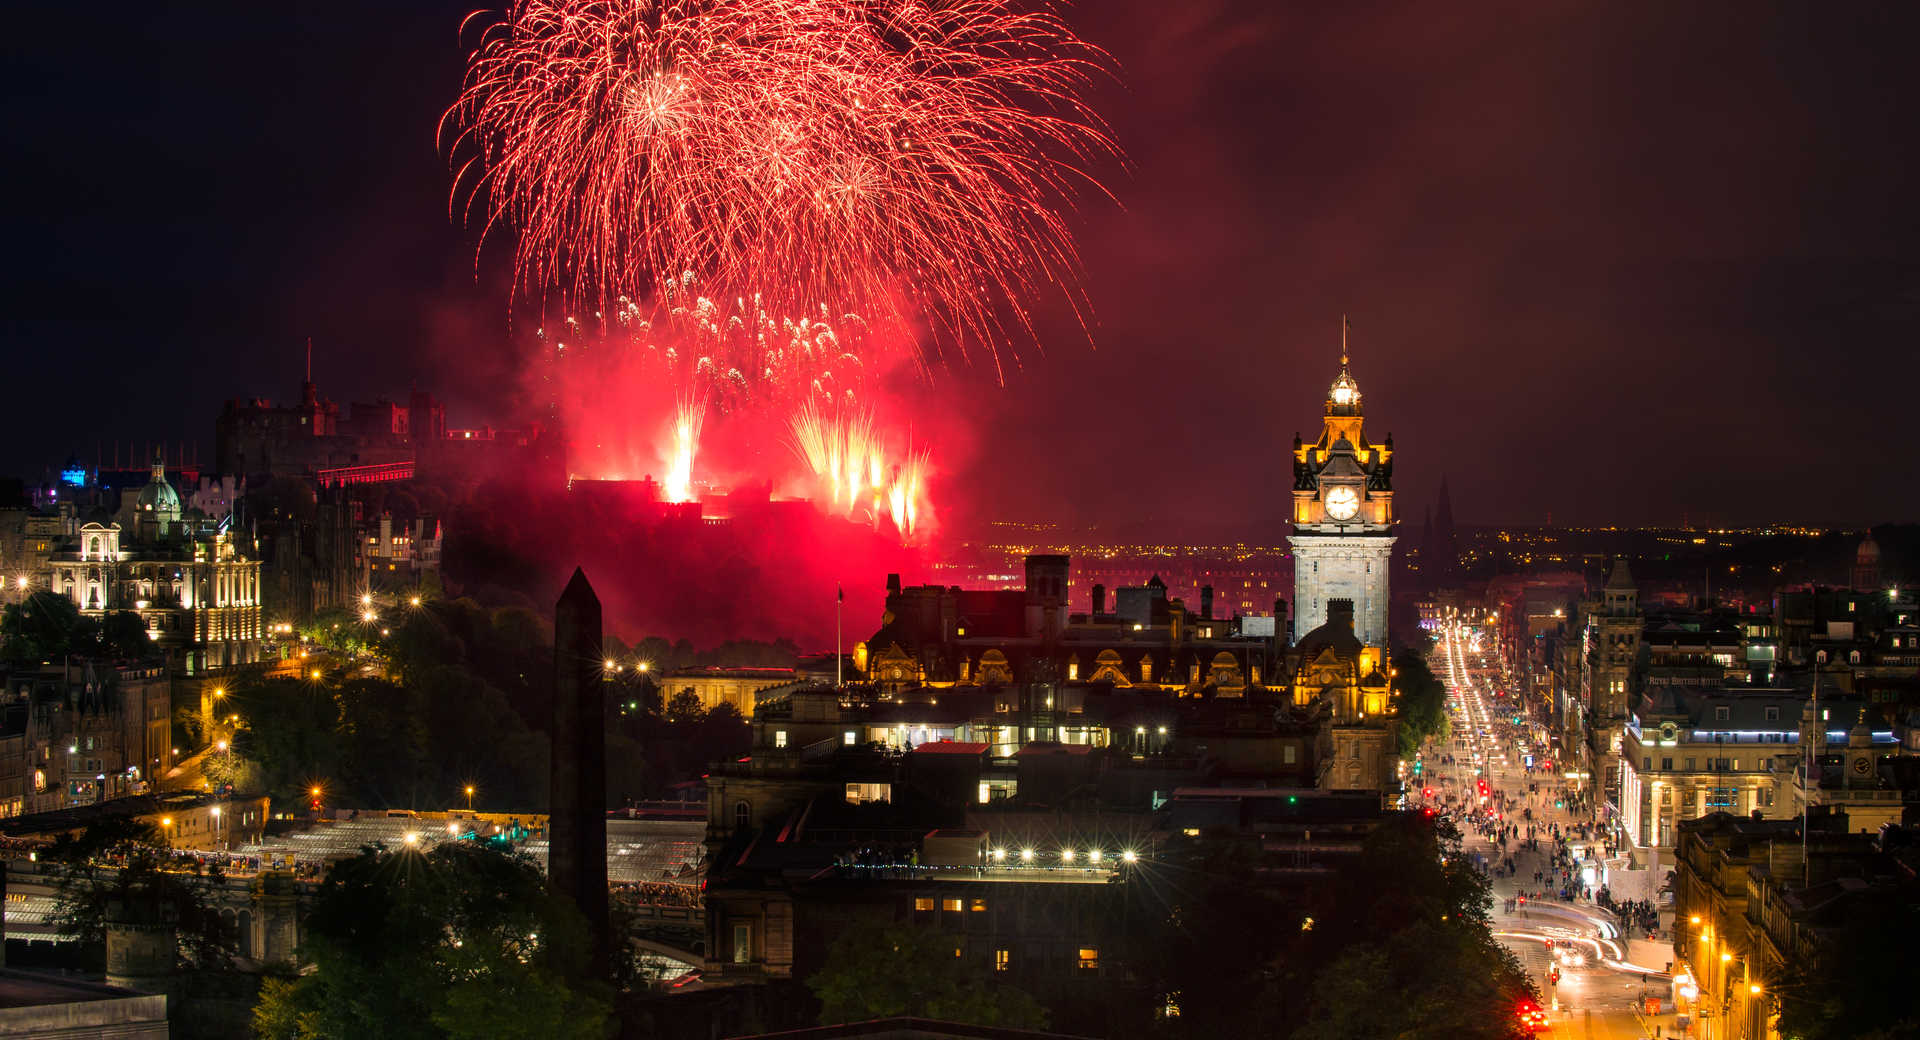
{"type": "Point", "coordinates": [1344, 326]}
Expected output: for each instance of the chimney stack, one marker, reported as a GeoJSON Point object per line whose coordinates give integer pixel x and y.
{"type": "Point", "coordinates": [1099, 600]}
{"type": "Point", "coordinates": [1206, 602]}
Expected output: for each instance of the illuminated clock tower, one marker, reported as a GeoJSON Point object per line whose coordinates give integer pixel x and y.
{"type": "Point", "coordinates": [1343, 517]}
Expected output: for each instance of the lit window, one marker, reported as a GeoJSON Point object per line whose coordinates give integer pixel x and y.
{"type": "Point", "coordinates": [923, 904]}
{"type": "Point", "coordinates": [952, 905]}
{"type": "Point", "coordinates": [847, 738]}
{"type": "Point", "coordinates": [779, 738]}
{"type": "Point", "coordinates": [1001, 959]}
{"type": "Point", "coordinates": [979, 905]}
{"type": "Point", "coordinates": [1090, 957]}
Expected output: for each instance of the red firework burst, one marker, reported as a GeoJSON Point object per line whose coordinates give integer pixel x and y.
{"type": "Point", "coordinates": [908, 160]}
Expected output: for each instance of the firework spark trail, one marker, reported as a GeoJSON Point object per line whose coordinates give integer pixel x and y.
{"type": "Point", "coordinates": [909, 158]}
{"type": "Point", "coordinates": [687, 421]}
{"type": "Point", "coordinates": [849, 460]}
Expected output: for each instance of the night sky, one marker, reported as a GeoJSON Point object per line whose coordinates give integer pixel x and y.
{"type": "Point", "coordinates": [1612, 265]}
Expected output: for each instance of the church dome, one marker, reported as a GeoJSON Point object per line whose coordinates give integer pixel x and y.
{"type": "Point", "coordinates": [158, 500]}
{"type": "Point", "coordinates": [1869, 551]}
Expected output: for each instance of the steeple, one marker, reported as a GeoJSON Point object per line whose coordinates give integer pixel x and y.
{"type": "Point", "coordinates": [1344, 397]}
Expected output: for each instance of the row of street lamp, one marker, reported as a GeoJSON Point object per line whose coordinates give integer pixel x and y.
{"type": "Point", "coordinates": [1067, 856]}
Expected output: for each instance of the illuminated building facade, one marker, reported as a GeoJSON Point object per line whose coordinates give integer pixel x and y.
{"type": "Point", "coordinates": [944, 636]}
{"type": "Point", "coordinates": [1614, 627]}
{"type": "Point", "coordinates": [80, 731]}
{"type": "Point", "coordinates": [197, 595]}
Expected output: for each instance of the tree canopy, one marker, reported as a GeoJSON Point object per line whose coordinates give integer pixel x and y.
{"type": "Point", "coordinates": [461, 941]}
{"type": "Point", "coordinates": [1856, 988]}
{"type": "Point", "coordinates": [1423, 701]}
{"type": "Point", "coordinates": [874, 972]}
{"type": "Point", "coordinates": [1407, 919]}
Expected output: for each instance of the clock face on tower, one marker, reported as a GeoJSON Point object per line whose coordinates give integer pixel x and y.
{"type": "Point", "coordinates": [1342, 503]}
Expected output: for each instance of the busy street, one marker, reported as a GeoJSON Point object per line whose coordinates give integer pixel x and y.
{"type": "Point", "coordinates": [1528, 827]}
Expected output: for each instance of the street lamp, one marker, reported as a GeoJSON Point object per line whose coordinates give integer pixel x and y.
{"type": "Point", "coordinates": [469, 797]}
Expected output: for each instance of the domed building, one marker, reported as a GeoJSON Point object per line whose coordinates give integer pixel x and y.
{"type": "Point", "coordinates": [156, 510]}
{"type": "Point", "coordinates": [1866, 565]}
{"type": "Point", "coordinates": [196, 593]}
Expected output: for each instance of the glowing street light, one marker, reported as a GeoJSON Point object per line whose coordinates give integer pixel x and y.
{"type": "Point", "coordinates": [1129, 856]}
{"type": "Point", "coordinates": [1026, 855]}
{"type": "Point", "coordinates": [413, 601]}
{"type": "Point", "coordinates": [366, 599]}
{"type": "Point", "coordinates": [469, 797]}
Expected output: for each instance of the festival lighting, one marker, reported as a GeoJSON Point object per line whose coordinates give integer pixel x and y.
{"type": "Point", "coordinates": [907, 161]}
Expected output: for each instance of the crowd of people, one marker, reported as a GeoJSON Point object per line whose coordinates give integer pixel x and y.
{"type": "Point", "coordinates": [659, 893]}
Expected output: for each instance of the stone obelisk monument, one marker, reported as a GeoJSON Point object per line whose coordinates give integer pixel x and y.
{"type": "Point", "coordinates": [577, 820]}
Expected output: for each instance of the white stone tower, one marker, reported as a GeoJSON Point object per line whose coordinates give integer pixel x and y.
{"type": "Point", "coordinates": [1343, 516]}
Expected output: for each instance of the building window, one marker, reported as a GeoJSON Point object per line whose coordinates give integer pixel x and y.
{"type": "Point", "coordinates": [1001, 959]}
{"type": "Point", "coordinates": [1773, 714]}
{"type": "Point", "coordinates": [1722, 713]}
{"type": "Point", "coordinates": [742, 815]}
{"type": "Point", "coordinates": [1666, 765]}
{"type": "Point", "coordinates": [742, 944]}
{"type": "Point", "coordinates": [1291, 754]}
{"type": "Point", "coordinates": [847, 738]}
{"type": "Point", "coordinates": [1090, 957]}
{"type": "Point", "coordinates": [950, 905]}
{"type": "Point", "coordinates": [1646, 764]}
{"type": "Point", "coordinates": [979, 905]}
{"type": "Point", "coordinates": [779, 738]}
{"type": "Point", "coordinates": [923, 904]}
{"type": "Point", "coordinates": [1689, 765]}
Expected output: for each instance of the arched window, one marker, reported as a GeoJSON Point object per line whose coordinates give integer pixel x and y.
{"type": "Point", "coordinates": [93, 546]}
{"type": "Point", "coordinates": [742, 815]}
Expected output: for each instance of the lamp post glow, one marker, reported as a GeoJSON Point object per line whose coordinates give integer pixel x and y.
{"type": "Point", "coordinates": [469, 797]}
